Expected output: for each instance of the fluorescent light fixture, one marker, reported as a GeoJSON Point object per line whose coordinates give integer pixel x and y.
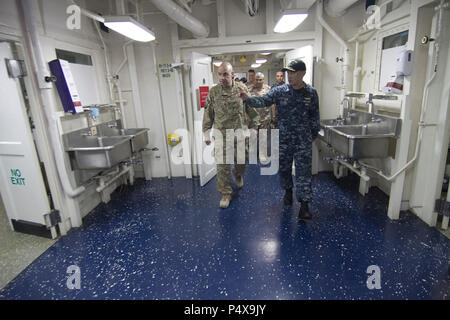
{"type": "Point", "coordinates": [130, 28]}
{"type": "Point", "coordinates": [256, 65]}
{"type": "Point", "coordinates": [265, 53]}
{"type": "Point", "coordinates": [290, 20]}
{"type": "Point", "coordinates": [261, 60]}
{"type": "Point", "coordinates": [217, 63]}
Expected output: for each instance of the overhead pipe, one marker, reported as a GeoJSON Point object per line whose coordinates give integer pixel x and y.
{"type": "Point", "coordinates": [337, 8]}
{"type": "Point", "coordinates": [40, 70]}
{"type": "Point", "coordinates": [251, 7]}
{"type": "Point", "coordinates": [182, 17]}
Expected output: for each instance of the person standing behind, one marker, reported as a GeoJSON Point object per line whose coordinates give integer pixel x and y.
{"type": "Point", "coordinates": [264, 117]}
{"type": "Point", "coordinates": [250, 83]}
{"type": "Point", "coordinates": [279, 78]}
{"type": "Point", "coordinates": [225, 110]}
{"type": "Point", "coordinates": [251, 79]}
{"type": "Point", "coordinates": [279, 81]}
{"type": "Point", "coordinates": [297, 112]}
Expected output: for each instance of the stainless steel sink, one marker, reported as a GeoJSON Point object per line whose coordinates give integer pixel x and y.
{"type": "Point", "coordinates": [96, 152]}
{"type": "Point", "coordinates": [139, 136]}
{"type": "Point", "coordinates": [361, 141]}
{"type": "Point", "coordinates": [361, 135]}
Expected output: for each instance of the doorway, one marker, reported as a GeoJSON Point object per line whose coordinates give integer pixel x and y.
{"type": "Point", "coordinates": [24, 196]}
{"type": "Point", "coordinates": [276, 56]}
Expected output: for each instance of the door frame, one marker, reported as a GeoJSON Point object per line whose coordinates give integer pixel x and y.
{"type": "Point", "coordinates": [40, 134]}
{"type": "Point", "coordinates": [183, 52]}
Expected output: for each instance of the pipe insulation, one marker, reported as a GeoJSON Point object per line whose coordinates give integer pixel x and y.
{"type": "Point", "coordinates": [182, 17]}
{"type": "Point", "coordinates": [337, 8]}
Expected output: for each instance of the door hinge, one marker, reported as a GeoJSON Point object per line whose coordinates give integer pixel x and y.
{"type": "Point", "coordinates": [442, 207]}
{"type": "Point", "coordinates": [52, 218]}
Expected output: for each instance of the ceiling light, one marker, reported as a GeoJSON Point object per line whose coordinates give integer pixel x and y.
{"type": "Point", "coordinates": [217, 63]}
{"type": "Point", "coordinates": [261, 60]}
{"type": "Point", "coordinates": [290, 20]}
{"type": "Point", "coordinates": [130, 28]}
{"type": "Point", "coordinates": [265, 53]}
{"type": "Point", "coordinates": [256, 65]}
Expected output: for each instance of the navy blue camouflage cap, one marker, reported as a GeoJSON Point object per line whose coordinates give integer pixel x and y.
{"type": "Point", "coordinates": [295, 65]}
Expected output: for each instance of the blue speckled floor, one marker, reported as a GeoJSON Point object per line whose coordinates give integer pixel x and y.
{"type": "Point", "coordinates": [167, 239]}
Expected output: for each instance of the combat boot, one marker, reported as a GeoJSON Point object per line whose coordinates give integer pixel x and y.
{"type": "Point", "coordinates": [225, 201]}
{"type": "Point", "coordinates": [288, 197]}
{"type": "Point", "coordinates": [304, 213]}
{"type": "Point", "coordinates": [239, 181]}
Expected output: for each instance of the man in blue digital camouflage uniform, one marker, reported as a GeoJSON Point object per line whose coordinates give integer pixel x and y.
{"type": "Point", "coordinates": [297, 114]}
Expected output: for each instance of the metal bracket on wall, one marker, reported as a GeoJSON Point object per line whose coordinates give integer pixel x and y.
{"type": "Point", "coordinates": [52, 218]}
{"type": "Point", "coordinates": [16, 68]}
{"type": "Point", "coordinates": [442, 207]}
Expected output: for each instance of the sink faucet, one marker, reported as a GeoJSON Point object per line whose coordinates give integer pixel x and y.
{"type": "Point", "coordinates": [372, 109]}
{"type": "Point", "coordinates": [345, 109]}
{"type": "Point", "coordinates": [370, 104]}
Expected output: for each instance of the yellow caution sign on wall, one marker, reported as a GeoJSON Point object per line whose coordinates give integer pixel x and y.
{"type": "Point", "coordinates": [173, 139]}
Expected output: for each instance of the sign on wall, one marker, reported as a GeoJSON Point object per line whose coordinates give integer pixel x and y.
{"type": "Point", "coordinates": [203, 93]}
{"type": "Point", "coordinates": [165, 71]}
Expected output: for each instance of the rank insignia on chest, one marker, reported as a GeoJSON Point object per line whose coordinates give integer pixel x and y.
{"type": "Point", "coordinates": [306, 100]}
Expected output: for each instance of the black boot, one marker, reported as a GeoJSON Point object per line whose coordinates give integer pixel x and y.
{"type": "Point", "coordinates": [288, 197]}
{"type": "Point", "coordinates": [304, 213]}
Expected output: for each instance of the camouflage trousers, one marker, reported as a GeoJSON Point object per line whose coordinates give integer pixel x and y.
{"type": "Point", "coordinates": [223, 164]}
{"type": "Point", "coordinates": [302, 158]}
{"type": "Point", "coordinates": [263, 142]}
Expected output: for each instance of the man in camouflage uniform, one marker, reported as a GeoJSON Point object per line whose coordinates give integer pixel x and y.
{"type": "Point", "coordinates": [225, 111]}
{"type": "Point", "coordinates": [297, 112]}
{"type": "Point", "coordinates": [264, 114]}
{"type": "Point", "coordinates": [251, 79]}
{"type": "Point", "coordinates": [280, 81]}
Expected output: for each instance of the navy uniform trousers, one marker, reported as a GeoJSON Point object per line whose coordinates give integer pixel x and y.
{"type": "Point", "coordinates": [302, 157]}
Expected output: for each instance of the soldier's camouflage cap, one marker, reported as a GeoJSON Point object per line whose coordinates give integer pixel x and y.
{"type": "Point", "coordinates": [295, 65]}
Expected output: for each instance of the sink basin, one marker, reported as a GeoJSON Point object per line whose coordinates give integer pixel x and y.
{"type": "Point", "coordinates": [365, 130]}
{"type": "Point", "coordinates": [361, 141]}
{"type": "Point", "coordinates": [362, 135]}
{"type": "Point", "coordinates": [139, 136]}
{"type": "Point", "coordinates": [354, 117]}
{"type": "Point", "coordinates": [97, 152]}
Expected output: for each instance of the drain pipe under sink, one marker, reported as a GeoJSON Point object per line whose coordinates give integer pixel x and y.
{"type": "Point", "coordinates": [364, 183]}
